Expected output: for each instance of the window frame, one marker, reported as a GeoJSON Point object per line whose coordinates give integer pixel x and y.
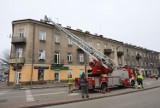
{"type": "Point", "coordinates": [70, 42]}
{"type": "Point", "coordinates": [42, 56]}
{"type": "Point", "coordinates": [19, 52]}
{"type": "Point", "coordinates": [57, 38]}
{"type": "Point", "coordinates": [81, 57]}
{"type": "Point", "coordinates": [69, 57]}
{"type": "Point", "coordinates": [21, 32]}
{"type": "Point", "coordinates": [42, 36]}
{"type": "Point", "coordinates": [57, 57]}
{"type": "Point", "coordinates": [98, 45]}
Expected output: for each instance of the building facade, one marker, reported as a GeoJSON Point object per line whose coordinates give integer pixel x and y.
{"type": "Point", "coordinates": [147, 60]}
{"type": "Point", "coordinates": [41, 53]}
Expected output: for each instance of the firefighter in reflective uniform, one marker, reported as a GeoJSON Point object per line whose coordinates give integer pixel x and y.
{"type": "Point", "coordinates": [84, 85]}
{"type": "Point", "coordinates": [140, 80]}
{"type": "Point", "coordinates": [70, 84]}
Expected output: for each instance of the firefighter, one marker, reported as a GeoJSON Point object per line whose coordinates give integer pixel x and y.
{"type": "Point", "coordinates": [140, 80]}
{"type": "Point", "coordinates": [84, 85]}
{"type": "Point", "coordinates": [70, 84]}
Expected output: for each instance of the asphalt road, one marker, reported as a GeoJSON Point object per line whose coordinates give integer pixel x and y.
{"type": "Point", "coordinates": [14, 98]}
{"type": "Point", "coordinates": [142, 99]}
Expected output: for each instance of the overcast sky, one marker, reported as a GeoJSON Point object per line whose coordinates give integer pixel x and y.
{"type": "Point", "coordinates": [136, 22]}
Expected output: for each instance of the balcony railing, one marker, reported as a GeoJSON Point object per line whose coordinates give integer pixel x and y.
{"type": "Point", "coordinates": [138, 57]}
{"type": "Point", "coordinates": [107, 51]}
{"type": "Point", "coordinates": [120, 53]}
{"type": "Point", "coordinates": [57, 62]}
{"type": "Point", "coordinates": [17, 60]}
{"type": "Point", "coordinates": [18, 39]}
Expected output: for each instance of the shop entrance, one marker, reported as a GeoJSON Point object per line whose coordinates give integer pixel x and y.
{"type": "Point", "coordinates": [56, 76]}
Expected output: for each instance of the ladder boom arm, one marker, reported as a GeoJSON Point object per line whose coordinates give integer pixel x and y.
{"type": "Point", "coordinates": [97, 55]}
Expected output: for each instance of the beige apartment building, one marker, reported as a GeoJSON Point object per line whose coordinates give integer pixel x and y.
{"type": "Point", "coordinates": [41, 53]}
{"type": "Point", "coordinates": [146, 59]}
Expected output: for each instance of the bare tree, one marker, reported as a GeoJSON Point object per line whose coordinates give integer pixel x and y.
{"type": "Point", "coordinates": [5, 56]}
{"type": "Point", "coordinates": [4, 62]}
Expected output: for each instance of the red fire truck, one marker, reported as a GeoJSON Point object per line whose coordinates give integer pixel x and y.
{"type": "Point", "coordinates": [104, 73]}
{"type": "Point", "coordinates": [104, 78]}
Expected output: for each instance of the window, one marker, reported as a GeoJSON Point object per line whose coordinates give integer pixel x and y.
{"type": "Point", "coordinates": [144, 54]}
{"type": "Point", "coordinates": [81, 57]}
{"type": "Point", "coordinates": [19, 52]}
{"type": "Point", "coordinates": [21, 32]}
{"type": "Point", "coordinates": [98, 45]}
{"type": "Point", "coordinates": [105, 46]}
{"type": "Point", "coordinates": [90, 43]}
{"type": "Point", "coordinates": [41, 55]}
{"type": "Point", "coordinates": [69, 57]}
{"type": "Point", "coordinates": [57, 38]}
{"type": "Point", "coordinates": [140, 54]}
{"type": "Point", "coordinates": [57, 58]}
{"type": "Point", "coordinates": [118, 49]}
{"type": "Point", "coordinates": [132, 53]}
{"type": "Point", "coordinates": [112, 47]}
{"type": "Point", "coordinates": [127, 50]}
{"type": "Point", "coordinates": [70, 41]}
{"type": "Point", "coordinates": [42, 35]}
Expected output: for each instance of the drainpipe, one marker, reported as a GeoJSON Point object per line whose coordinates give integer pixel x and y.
{"type": "Point", "coordinates": [33, 39]}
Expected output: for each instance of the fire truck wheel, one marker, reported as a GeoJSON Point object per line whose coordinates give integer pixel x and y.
{"type": "Point", "coordinates": [104, 87]}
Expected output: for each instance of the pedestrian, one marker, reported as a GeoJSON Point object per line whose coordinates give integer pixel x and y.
{"type": "Point", "coordinates": [140, 80]}
{"type": "Point", "coordinates": [156, 76]}
{"type": "Point", "coordinates": [84, 85]}
{"type": "Point", "coordinates": [133, 81]}
{"type": "Point", "coordinates": [70, 83]}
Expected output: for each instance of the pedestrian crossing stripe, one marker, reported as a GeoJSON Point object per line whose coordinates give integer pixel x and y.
{"type": "Point", "coordinates": [29, 97]}
{"type": "Point", "coordinates": [73, 94]}
{"type": "Point", "coordinates": [3, 92]}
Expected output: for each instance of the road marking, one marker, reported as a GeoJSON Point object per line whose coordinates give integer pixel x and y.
{"type": "Point", "coordinates": [73, 94]}
{"type": "Point", "coordinates": [3, 92]}
{"type": "Point", "coordinates": [29, 97]}
{"type": "Point", "coordinates": [148, 83]}
{"type": "Point", "coordinates": [50, 93]}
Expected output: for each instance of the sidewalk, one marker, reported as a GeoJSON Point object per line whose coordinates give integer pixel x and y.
{"type": "Point", "coordinates": [77, 98]}
{"type": "Point", "coordinates": [3, 85]}
{"type": "Point", "coordinates": [43, 86]}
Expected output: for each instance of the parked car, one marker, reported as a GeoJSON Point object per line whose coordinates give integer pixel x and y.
{"type": "Point", "coordinates": [152, 75]}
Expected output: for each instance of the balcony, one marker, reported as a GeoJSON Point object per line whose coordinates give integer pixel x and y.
{"type": "Point", "coordinates": [138, 57]}
{"type": "Point", "coordinates": [57, 62]}
{"type": "Point", "coordinates": [107, 51]}
{"type": "Point", "coordinates": [17, 60]}
{"type": "Point", "coordinates": [18, 40]}
{"type": "Point", "coordinates": [79, 50]}
{"type": "Point", "coordinates": [120, 53]}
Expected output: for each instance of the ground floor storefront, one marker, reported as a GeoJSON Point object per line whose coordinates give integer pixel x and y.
{"type": "Point", "coordinates": [38, 73]}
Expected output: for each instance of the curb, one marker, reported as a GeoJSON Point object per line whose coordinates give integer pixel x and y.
{"type": "Point", "coordinates": [81, 100]}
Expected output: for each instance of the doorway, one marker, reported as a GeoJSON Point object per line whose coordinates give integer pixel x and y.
{"type": "Point", "coordinates": [40, 74]}
{"type": "Point", "coordinates": [56, 76]}
{"type": "Point", "coordinates": [18, 77]}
